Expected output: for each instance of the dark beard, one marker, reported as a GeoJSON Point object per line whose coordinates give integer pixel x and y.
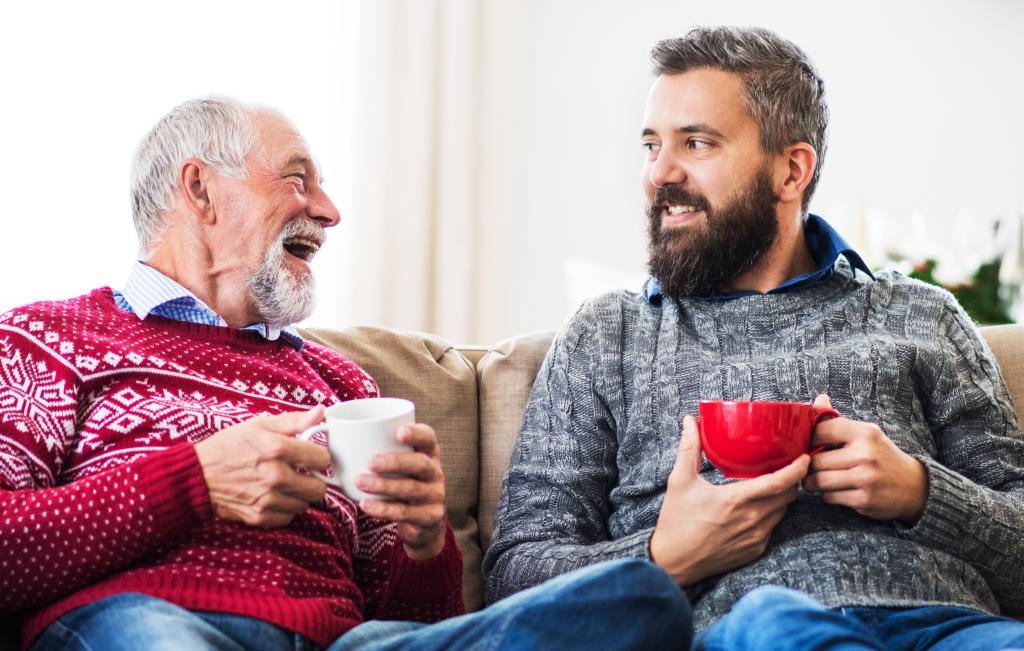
{"type": "Point", "coordinates": [703, 260]}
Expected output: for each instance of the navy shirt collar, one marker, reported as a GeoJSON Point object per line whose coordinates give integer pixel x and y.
{"type": "Point", "coordinates": [825, 246]}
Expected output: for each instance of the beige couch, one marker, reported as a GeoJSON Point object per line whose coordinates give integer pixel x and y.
{"type": "Point", "coordinates": [474, 397]}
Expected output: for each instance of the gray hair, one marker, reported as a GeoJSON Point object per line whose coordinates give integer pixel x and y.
{"type": "Point", "coordinates": [217, 130]}
{"type": "Point", "coordinates": [785, 92]}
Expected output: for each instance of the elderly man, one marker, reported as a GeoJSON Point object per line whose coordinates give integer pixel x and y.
{"type": "Point", "coordinates": [907, 533]}
{"type": "Point", "coordinates": [151, 492]}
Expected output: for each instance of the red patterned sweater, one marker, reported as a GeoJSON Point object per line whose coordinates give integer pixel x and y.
{"type": "Point", "coordinates": [101, 491]}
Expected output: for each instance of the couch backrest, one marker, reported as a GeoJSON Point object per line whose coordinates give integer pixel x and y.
{"type": "Point", "coordinates": [505, 377]}
{"type": "Point", "coordinates": [477, 411]}
{"type": "Point", "coordinates": [442, 383]}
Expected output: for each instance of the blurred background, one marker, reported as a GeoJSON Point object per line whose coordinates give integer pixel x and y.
{"type": "Point", "coordinates": [485, 153]}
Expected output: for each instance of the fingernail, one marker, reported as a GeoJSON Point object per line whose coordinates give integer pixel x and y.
{"type": "Point", "coordinates": [376, 463]}
{"type": "Point", "coordinates": [364, 481]}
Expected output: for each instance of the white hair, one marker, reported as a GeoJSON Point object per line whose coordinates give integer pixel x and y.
{"type": "Point", "coordinates": [219, 131]}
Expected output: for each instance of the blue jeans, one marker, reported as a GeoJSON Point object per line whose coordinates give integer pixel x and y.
{"type": "Point", "coordinates": [626, 604]}
{"type": "Point", "coordinates": [780, 619]}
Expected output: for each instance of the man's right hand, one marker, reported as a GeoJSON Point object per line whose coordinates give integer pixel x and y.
{"type": "Point", "coordinates": [704, 529]}
{"type": "Point", "coordinates": [250, 468]}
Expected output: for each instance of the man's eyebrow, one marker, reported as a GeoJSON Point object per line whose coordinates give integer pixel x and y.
{"type": "Point", "coordinates": [301, 160]}
{"type": "Point", "coordinates": [701, 128]}
{"type": "Point", "coordinates": [690, 128]}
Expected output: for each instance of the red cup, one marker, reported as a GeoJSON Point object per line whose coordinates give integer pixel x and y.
{"type": "Point", "coordinates": [746, 439]}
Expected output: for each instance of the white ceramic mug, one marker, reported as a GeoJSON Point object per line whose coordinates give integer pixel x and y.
{"type": "Point", "coordinates": [357, 430]}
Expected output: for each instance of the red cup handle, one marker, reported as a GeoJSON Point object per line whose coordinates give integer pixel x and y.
{"type": "Point", "coordinates": [820, 415]}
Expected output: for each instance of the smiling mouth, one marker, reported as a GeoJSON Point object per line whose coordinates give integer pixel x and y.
{"type": "Point", "coordinates": [679, 209]}
{"type": "Point", "coordinates": [302, 247]}
{"type": "Point", "coordinates": [678, 214]}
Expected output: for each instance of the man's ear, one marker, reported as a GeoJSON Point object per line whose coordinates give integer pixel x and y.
{"type": "Point", "coordinates": [800, 162]}
{"type": "Point", "coordinates": [194, 183]}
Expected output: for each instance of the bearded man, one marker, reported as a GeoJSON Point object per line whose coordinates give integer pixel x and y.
{"type": "Point", "coordinates": [905, 532]}
{"type": "Point", "coordinates": [152, 493]}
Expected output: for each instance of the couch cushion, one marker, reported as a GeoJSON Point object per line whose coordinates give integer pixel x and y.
{"type": "Point", "coordinates": [442, 383]}
{"type": "Point", "coordinates": [1007, 344]}
{"type": "Point", "coordinates": [505, 376]}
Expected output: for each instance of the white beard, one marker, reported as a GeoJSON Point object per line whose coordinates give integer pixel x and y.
{"type": "Point", "coordinates": [281, 296]}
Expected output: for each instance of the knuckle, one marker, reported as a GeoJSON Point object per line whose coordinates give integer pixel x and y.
{"type": "Point", "coordinates": [437, 496]}
{"type": "Point", "coordinates": [869, 476]}
{"type": "Point", "coordinates": [274, 476]}
{"type": "Point", "coordinates": [859, 499]}
{"type": "Point", "coordinates": [273, 447]}
{"type": "Point", "coordinates": [403, 488]}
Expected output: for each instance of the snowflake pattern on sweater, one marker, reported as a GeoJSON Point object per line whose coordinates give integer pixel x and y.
{"type": "Point", "coordinates": [101, 491]}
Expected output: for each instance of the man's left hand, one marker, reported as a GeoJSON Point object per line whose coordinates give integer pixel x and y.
{"type": "Point", "coordinates": [415, 482]}
{"type": "Point", "coordinates": [868, 473]}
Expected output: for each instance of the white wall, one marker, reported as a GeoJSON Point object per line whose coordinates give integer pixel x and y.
{"type": "Point", "coordinates": [82, 82]}
{"type": "Point", "coordinates": [927, 138]}
{"type": "Point", "coordinates": [926, 144]}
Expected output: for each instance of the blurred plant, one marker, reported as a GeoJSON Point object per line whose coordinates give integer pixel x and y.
{"type": "Point", "coordinates": [980, 296]}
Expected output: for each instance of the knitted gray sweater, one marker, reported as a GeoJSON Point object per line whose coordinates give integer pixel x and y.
{"type": "Point", "coordinates": [587, 477]}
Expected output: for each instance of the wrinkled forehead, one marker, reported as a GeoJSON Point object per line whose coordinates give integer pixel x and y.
{"type": "Point", "coordinates": [280, 145]}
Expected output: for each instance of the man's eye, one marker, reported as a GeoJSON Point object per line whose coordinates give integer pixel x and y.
{"type": "Point", "coordinates": [698, 145]}
{"type": "Point", "coordinates": [649, 147]}
{"type": "Point", "coordinates": [301, 178]}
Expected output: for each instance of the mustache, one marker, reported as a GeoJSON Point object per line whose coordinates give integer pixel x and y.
{"type": "Point", "coordinates": [304, 228]}
{"type": "Point", "coordinates": [669, 195]}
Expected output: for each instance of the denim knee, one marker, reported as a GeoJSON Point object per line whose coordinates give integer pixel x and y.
{"type": "Point", "coordinates": [770, 600]}
{"type": "Point", "coordinates": [642, 576]}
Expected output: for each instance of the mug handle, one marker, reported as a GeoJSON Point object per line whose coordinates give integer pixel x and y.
{"type": "Point", "coordinates": [816, 418]}
{"type": "Point", "coordinates": [305, 436]}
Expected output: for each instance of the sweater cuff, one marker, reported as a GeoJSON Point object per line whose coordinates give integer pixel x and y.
{"type": "Point", "coordinates": [172, 486]}
{"type": "Point", "coordinates": [635, 545]}
{"type": "Point", "coordinates": [429, 580]}
{"type": "Point", "coordinates": [947, 515]}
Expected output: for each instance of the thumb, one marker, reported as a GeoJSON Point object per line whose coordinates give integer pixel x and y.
{"type": "Point", "coordinates": [688, 459]}
{"type": "Point", "coordinates": [822, 402]}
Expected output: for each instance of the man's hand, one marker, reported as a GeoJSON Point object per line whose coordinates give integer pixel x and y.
{"type": "Point", "coordinates": [250, 468]}
{"type": "Point", "coordinates": [415, 481]}
{"type": "Point", "coordinates": [868, 473]}
{"type": "Point", "coordinates": [704, 529]}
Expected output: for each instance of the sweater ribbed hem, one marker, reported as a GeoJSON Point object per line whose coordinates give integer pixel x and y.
{"type": "Point", "coordinates": [948, 504]}
{"type": "Point", "coordinates": [424, 580]}
{"type": "Point", "coordinates": [172, 482]}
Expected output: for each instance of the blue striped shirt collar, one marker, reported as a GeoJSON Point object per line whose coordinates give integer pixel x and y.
{"type": "Point", "coordinates": [148, 291]}
{"type": "Point", "coordinates": [825, 245]}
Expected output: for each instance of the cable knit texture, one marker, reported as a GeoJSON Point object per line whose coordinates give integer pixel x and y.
{"type": "Point", "coordinates": [101, 491]}
{"type": "Point", "coordinates": [601, 431]}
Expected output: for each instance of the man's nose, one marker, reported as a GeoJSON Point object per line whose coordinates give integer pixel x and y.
{"type": "Point", "coordinates": [321, 209]}
{"type": "Point", "coordinates": [666, 170]}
